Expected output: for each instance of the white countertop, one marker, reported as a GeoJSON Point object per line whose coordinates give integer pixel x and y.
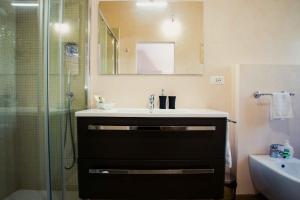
{"type": "Point", "coordinates": [142, 112]}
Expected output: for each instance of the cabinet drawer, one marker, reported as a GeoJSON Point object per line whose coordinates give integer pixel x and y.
{"type": "Point", "coordinates": [150, 179]}
{"type": "Point", "coordinates": [158, 139]}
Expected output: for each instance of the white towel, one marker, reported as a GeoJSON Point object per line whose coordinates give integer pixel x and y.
{"type": "Point", "coordinates": [281, 107]}
{"type": "Point", "coordinates": [228, 157]}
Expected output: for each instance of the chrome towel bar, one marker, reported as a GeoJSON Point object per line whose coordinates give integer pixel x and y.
{"type": "Point", "coordinates": [258, 94]}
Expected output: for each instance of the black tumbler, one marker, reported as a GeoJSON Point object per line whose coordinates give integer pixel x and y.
{"type": "Point", "coordinates": [162, 102]}
{"type": "Point", "coordinates": [172, 102]}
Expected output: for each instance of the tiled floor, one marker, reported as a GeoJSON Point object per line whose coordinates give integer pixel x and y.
{"type": "Point", "coordinates": [250, 198]}
{"type": "Point", "coordinates": [40, 195]}
{"type": "Point", "coordinates": [227, 196]}
{"type": "Point", "coordinates": [72, 195]}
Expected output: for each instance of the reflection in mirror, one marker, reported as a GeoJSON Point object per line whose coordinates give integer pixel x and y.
{"type": "Point", "coordinates": [155, 58]}
{"type": "Point", "coordinates": [150, 37]}
{"type": "Point", "coordinates": [108, 49]}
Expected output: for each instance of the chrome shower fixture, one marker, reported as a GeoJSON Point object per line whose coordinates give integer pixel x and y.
{"type": "Point", "coordinates": [71, 49]}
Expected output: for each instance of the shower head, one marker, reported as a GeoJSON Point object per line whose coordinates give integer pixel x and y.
{"type": "Point", "coordinates": [71, 49]}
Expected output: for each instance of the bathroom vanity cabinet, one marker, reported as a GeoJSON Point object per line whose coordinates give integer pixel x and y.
{"type": "Point", "coordinates": [151, 155]}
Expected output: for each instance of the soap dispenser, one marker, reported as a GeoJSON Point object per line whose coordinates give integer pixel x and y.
{"type": "Point", "coordinates": [288, 150]}
{"type": "Point", "coordinates": [172, 102]}
{"type": "Point", "coordinates": [162, 100]}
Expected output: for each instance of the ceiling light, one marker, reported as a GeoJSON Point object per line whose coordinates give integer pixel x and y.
{"type": "Point", "coordinates": [62, 28]}
{"type": "Point", "coordinates": [157, 4]}
{"type": "Point", "coordinates": [25, 4]}
{"type": "Point", "coordinates": [171, 27]}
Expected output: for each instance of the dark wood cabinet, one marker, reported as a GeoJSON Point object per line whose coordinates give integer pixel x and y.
{"type": "Point", "coordinates": [151, 158]}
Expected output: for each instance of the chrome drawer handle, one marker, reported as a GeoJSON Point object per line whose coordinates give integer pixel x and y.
{"type": "Point", "coordinates": [162, 128]}
{"type": "Point", "coordinates": [152, 171]}
{"type": "Point", "coordinates": [189, 128]}
{"type": "Point", "coordinates": [108, 128]}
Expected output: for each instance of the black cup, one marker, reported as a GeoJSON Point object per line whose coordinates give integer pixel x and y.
{"type": "Point", "coordinates": [172, 102]}
{"type": "Point", "coordinates": [162, 102]}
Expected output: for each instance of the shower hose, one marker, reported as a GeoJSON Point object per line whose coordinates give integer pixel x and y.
{"type": "Point", "coordinates": [69, 122]}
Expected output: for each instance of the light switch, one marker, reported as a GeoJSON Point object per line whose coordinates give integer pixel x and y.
{"type": "Point", "coordinates": [216, 80]}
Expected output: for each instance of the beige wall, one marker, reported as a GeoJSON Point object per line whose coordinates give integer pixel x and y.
{"type": "Point", "coordinates": [235, 32]}
{"type": "Point", "coordinates": [252, 31]}
{"type": "Point", "coordinates": [137, 25]}
{"type": "Point", "coordinates": [133, 91]}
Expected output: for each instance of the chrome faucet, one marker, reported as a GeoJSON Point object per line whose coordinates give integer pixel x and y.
{"type": "Point", "coordinates": [151, 102]}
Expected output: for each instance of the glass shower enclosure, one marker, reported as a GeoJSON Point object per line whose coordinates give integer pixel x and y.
{"type": "Point", "coordinates": [43, 65]}
{"type": "Point", "coordinates": [108, 48]}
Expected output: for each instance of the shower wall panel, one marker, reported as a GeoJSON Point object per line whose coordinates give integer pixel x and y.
{"type": "Point", "coordinates": [29, 141]}
{"type": "Point", "coordinates": [7, 98]}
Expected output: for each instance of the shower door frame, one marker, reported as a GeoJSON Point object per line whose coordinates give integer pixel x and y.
{"type": "Point", "coordinates": [46, 62]}
{"type": "Point", "coordinates": [44, 24]}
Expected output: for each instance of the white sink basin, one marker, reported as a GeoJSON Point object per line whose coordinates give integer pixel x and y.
{"type": "Point", "coordinates": [143, 112]}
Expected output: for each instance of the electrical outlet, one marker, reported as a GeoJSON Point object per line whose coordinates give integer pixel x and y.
{"type": "Point", "coordinates": [216, 80]}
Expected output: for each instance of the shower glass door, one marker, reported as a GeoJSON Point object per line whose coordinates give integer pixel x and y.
{"type": "Point", "coordinates": [23, 168]}
{"type": "Point", "coordinates": [67, 44]}
{"type": "Point", "coordinates": [42, 83]}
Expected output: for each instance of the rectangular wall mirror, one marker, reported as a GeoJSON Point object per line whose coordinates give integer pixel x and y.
{"type": "Point", "coordinates": [150, 37]}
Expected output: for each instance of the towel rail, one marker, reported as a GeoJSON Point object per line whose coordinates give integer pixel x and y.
{"type": "Point", "coordinates": [258, 94]}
